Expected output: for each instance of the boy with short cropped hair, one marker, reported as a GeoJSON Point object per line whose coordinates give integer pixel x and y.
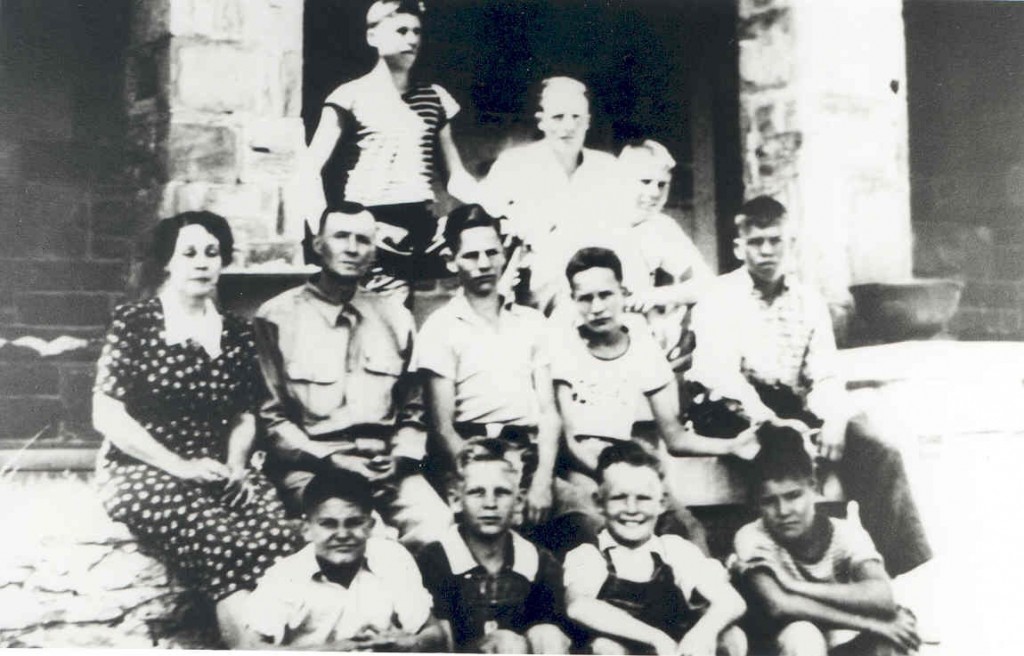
{"type": "Point", "coordinates": [485, 363]}
{"type": "Point", "coordinates": [345, 591]}
{"type": "Point", "coordinates": [494, 591]}
{"type": "Point", "coordinates": [817, 585]}
{"type": "Point", "coordinates": [639, 593]}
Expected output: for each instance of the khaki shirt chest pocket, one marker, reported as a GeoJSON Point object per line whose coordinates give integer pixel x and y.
{"type": "Point", "coordinates": [371, 385]}
{"type": "Point", "coordinates": [317, 385]}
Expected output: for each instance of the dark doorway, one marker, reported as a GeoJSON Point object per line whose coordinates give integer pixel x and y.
{"type": "Point", "coordinates": [656, 69]}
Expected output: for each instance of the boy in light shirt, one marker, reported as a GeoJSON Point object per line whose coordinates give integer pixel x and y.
{"type": "Point", "coordinates": [345, 591]}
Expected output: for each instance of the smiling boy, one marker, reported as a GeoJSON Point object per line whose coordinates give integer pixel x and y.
{"type": "Point", "coordinates": [817, 584]}
{"type": "Point", "coordinates": [345, 591]}
{"type": "Point", "coordinates": [493, 590]}
{"type": "Point", "coordinates": [637, 592]}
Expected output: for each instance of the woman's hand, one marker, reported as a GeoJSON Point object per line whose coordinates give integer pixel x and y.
{"type": "Point", "coordinates": [201, 470]}
{"type": "Point", "coordinates": [238, 490]}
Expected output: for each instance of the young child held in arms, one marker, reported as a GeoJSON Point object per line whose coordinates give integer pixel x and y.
{"type": "Point", "coordinates": [816, 585]}
{"type": "Point", "coordinates": [494, 591]}
{"type": "Point", "coordinates": [345, 591]}
{"type": "Point", "coordinates": [638, 593]}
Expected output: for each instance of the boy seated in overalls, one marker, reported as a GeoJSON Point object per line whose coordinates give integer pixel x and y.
{"type": "Point", "coordinates": [494, 591]}
{"type": "Point", "coordinates": [638, 593]}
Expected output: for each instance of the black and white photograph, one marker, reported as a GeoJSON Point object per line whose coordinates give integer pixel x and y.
{"type": "Point", "coordinates": [674, 327]}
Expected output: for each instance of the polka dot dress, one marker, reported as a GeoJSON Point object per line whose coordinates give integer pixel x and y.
{"type": "Point", "coordinates": [187, 401]}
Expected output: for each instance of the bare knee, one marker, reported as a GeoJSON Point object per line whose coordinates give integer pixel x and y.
{"type": "Point", "coordinates": [547, 639]}
{"type": "Point", "coordinates": [503, 641]}
{"type": "Point", "coordinates": [732, 642]}
{"type": "Point", "coordinates": [607, 647]}
{"type": "Point", "coordinates": [801, 639]}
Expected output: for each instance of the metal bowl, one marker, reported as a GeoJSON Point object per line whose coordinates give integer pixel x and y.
{"type": "Point", "coordinates": [911, 309]}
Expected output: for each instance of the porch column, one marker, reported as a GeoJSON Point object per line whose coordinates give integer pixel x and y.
{"type": "Point", "coordinates": [824, 129]}
{"type": "Point", "coordinates": [214, 96]}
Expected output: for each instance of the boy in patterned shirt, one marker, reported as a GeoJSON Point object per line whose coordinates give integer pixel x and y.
{"type": "Point", "coordinates": [815, 584]}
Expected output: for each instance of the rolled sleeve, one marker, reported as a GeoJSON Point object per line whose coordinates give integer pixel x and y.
{"type": "Point", "coordinates": [753, 550]}
{"type": "Point", "coordinates": [585, 571]}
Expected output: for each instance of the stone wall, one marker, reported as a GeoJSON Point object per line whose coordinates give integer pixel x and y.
{"type": "Point", "coordinates": [214, 100]}
{"type": "Point", "coordinates": [824, 129]}
{"type": "Point", "coordinates": [70, 577]}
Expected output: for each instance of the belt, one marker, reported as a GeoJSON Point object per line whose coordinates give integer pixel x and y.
{"type": "Point", "coordinates": [519, 435]}
{"type": "Point", "coordinates": [365, 438]}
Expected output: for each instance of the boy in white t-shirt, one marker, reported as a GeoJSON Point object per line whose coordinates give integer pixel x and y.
{"type": "Point", "coordinates": [613, 383]}
{"type": "Point", "coordinates": [638, 593]}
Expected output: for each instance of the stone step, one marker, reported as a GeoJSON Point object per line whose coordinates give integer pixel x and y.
{"type": "Point", "coordinates": [20, 274]}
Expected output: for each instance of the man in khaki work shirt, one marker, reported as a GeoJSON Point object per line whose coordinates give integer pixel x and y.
{"type": "Point", "coordinates": [335, 359]}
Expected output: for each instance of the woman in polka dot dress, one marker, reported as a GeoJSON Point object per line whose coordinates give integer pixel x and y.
{"type": "Point", "coordinates": [176, 390]}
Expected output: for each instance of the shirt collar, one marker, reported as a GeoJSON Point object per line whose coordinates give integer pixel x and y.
{"type": "Point", "coordinates": [463, 310]}
{"type": "Point", "coordinates": [204, 331]}
{"type": "Point", "coordinates": [525, 558]}
{"type": "Point", "coordinates": [352, 311]}
{"type": "Point", "coordinates": [757, 293]}
{"type": "Point", "coordinates": [605, 542]}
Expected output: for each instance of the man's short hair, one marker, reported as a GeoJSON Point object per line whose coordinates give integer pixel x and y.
{"type": "Point", "coordinates": [651, 149]}
{"type": "Point", "coordinates": [467, 217]}
{"type": "Point", "coordinates": [631, 453]}
{"type": "Point", "coordinates": [383, 9]}
{"type": "Point", "coordinates": [760, 212]}
{"type": "Point", "coordinates": [782, 457]}
{"type": "Point", "coordinates": [593, 257]}
{"type": "Point", "coordinates": [561, 84]}
{"type": "Point", "coordinates": [345, 207]}
{"type": "Point", "coordinates": [337, 484]}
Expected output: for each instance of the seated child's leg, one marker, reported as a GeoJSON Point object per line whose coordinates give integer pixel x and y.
{"type": "Point", "coordinates": [502, 641]}
{"type": "Point", "coordinates": [866, 645]}
{"type": "Point", "coordinates": [801, 639]}
{"type": "Point", "coordinates": [420, 515]}
{"type": "Point", "coordinates": [732, 642]}
{"type": "Point", "coordinates": [607, 647]}
{"type": "Point", "coordinates": [547, 639]}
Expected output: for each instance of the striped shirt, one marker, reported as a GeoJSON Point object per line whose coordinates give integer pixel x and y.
{"type": "Point", "coordinates": [389, 159]}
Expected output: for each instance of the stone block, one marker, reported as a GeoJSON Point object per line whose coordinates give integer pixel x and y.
{"type": "Point", "coordinates": [61, 275]}
{"type": "Point", "coordinates": [219, 78]}
{"type": "Point", "coordinates": [27, 415]}
{"type": "Point", "coordinates": [64, 308]}
{"type": "Point", "coordinates": [223, 20]}
{"type": "Point", "coordinates": [251, 209]}
{"type": "Point", "coordinates": [983, 294]}
{"type": "Point", "coordinates": [202, 152]}
{"type": "Point", "coordinates": [278, 252]}
{"type": "Point", "coordinates": [289, 82]}
{"type": "Point", "coordinates": [29, 378]}
{"type": "Point", "coordinates": [271, 148]}
{"type": "Point", "coordinates": [767, 49]}
{"type": "Point", "coordinates": [146, 151]}
{"type": "Point", "coordinates": [1009, 262]}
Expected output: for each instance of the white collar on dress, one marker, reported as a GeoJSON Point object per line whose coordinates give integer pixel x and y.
{"type": "Point", "coordinates": [180, 328]}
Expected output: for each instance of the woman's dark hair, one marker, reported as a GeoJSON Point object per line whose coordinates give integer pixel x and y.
{"type": "Point", "coordinates": [782, 457]}
{"type": "Point", "coordinates": [467, 217]}
{"type": "Point", "coordinates": [163, 238]}
{"type": "Point", "coordinates": [594, 257]}
{"type": "Point", "coordinates": [337, 484]}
